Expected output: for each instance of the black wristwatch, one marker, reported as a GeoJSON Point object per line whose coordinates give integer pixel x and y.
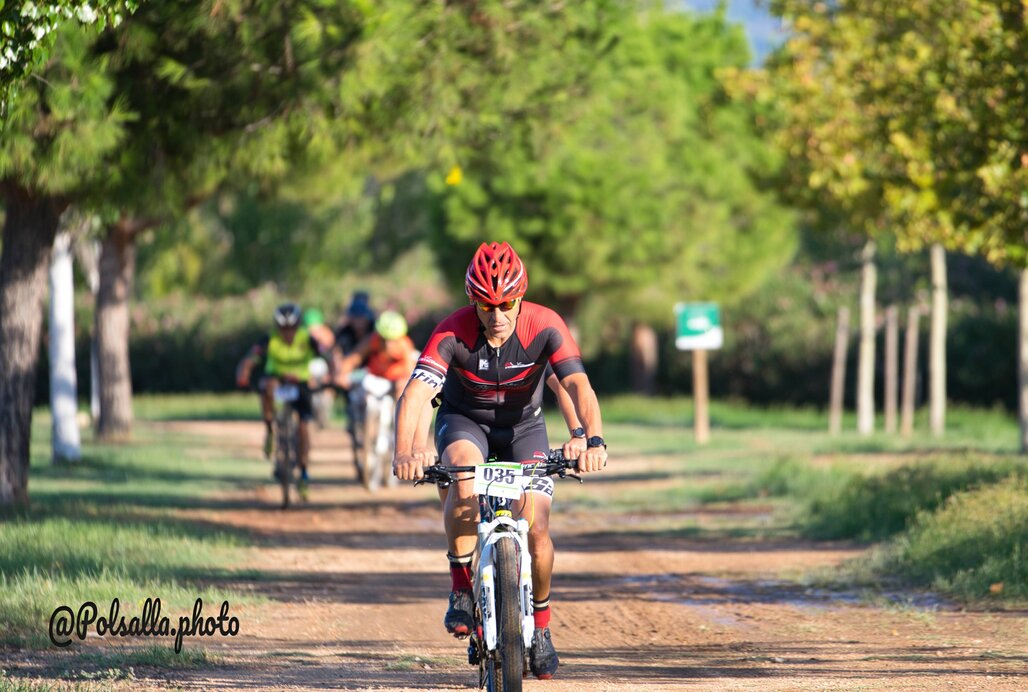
{"type": "Point", "coordinates": [578, 432]}
{"type": "Point", "coordinates": [596, 441]}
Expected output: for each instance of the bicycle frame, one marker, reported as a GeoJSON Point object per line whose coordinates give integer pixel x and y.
{"type": "Point", "coordinates": [286, 430]}
{"type": "Point", "coordinates": [373, 404]}
{"type": "Point", "coordinates": [497, 526]}
{"type": "Point", "coordinates": [496, 523]}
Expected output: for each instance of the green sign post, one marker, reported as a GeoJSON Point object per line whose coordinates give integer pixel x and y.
{"type": "Point", "coordinates": [699, 330]}
{"type": "Point", "coordinates": [699, 326]}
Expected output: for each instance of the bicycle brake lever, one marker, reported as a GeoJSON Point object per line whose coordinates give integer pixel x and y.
{"type": "Point", "coordinates": [577, 478]}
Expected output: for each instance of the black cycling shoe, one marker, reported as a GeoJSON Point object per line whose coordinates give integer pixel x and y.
{"type": "Point", "coordinates": [459, 616]}
{"type": "Point", "coordinates": [542, 657]}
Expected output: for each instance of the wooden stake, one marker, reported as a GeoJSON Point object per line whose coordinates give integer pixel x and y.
{"type": "Point", "coordinates": [838, 385]}
{"type": "Point", "coordinates": [909, 372]}
{"type": "Point", "coordinates": [700, 391]}
{"type": "Point", "coordinates": [891, 366]}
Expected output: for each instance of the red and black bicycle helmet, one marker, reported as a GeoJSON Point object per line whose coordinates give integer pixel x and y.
{"type": "Point", "coordinates": [496, 274]}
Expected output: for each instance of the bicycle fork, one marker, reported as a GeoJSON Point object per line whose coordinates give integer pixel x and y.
{"type": "Point", "coordinates": [489, 534]}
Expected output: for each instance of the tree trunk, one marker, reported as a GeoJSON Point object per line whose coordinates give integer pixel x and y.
{"type": "Point", "coordinates": [937, 343]}
{"type": "Point", "coordinates": [117, 270]}
{"type": "Point", "coordinates": [644, 355]}
{"type": "Point", "coordinates": [910, 372]}
{"type": "Point", "coordinates": [29, 229]}
{"type": "Point", "coordinates": [87, 252]}
{"type": "Point", "coordinates": [891, 367]}
{"type": "Point", "coordinates": [838, 386]}
{"type": "Point", "coordinates": [866, 365]}
{"type": "Point", "coordinates": [63, 386]}
{"type": "Point", "coordinates": [1022, 361]}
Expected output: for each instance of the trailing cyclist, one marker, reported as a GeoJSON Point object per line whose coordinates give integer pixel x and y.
{"type": "Point", "coordinates": [356, 324]}
{"type": "Point", "coordinates": [287, 352]}
{"type": "Point", "coordinates": [387, 352]}
{"type": "Point", "coordinates": [490, 358]}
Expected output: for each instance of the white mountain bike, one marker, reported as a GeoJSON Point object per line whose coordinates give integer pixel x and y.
{"type": "Point", "coordinates": [373, 409]}
{"type": "Point", "coordinates": [504, 617]}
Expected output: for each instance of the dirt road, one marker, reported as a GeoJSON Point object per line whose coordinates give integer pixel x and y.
{"type": "Point", "coordinates": [356, 588]}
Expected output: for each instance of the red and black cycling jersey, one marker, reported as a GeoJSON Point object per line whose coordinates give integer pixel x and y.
{"type": "Point", "coordinates": [497, 386]}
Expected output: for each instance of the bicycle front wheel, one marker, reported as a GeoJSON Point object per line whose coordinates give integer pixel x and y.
{"type": "Point", "coordinates": [372, 476]}
{"type": "Point", "coordinates": [506, 672]}
{"type": "Point", "coordinates": [285, 451]}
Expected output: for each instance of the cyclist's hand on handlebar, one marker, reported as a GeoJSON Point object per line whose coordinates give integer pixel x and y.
{"type": "Point", "coordinates": [411, 467]}
{"type": "Point", "coordinates": [593, 459]}
{"type": "Point", "coordinates": [574, 448]}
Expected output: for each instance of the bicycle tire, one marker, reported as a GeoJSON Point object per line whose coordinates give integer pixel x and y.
{"type": "Point", "coordinates": [386, 459]}
{"type": "Point", "coordinates": [355, 428]}
{"type": "Point", "coordinates": [285, 450]}
{"type": "Point", "coordinates": [510, 647]}
{"type": "Point", "coordinates": [372, 466]}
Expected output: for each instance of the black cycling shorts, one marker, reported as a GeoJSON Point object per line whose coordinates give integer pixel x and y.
{"type": "Point", "coordinates": [524, 442]}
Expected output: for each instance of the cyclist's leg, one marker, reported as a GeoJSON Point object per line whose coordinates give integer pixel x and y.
{"type": "Point", "coordinates": [531, 442]}
{"type": "Point", "coordinates": [463, 443]}
{"type": "Point", "coordinates": [266, 387]}
{"type": "Point", "coordinates": [305, 409]}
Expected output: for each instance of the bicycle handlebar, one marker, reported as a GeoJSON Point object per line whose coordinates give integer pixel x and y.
{"type": "Point", "coordinates": [554, 464]}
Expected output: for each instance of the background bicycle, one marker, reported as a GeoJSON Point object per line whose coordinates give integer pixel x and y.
{"type": "Point", "coordinates": [372, 406]}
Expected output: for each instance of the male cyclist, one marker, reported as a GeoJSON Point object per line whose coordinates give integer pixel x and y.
{"type": "Point", "coordinates": [490, 360]}
{"type": "Point", "coordinates": [287, 353]}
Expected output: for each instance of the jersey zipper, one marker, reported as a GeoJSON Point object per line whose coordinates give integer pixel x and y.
{"type": "Point", "coordinates": [498, 397]}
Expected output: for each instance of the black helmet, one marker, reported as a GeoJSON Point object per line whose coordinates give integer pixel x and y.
{"type": "Point", "coordinates": [288, 315]}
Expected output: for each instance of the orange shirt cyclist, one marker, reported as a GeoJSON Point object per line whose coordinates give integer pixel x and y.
{"type": "Point", "coordinates": [387, 352]}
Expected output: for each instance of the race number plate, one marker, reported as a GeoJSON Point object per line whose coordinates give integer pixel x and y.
{"type": "Point", "coordinates": [285, 393]}
{"type": "Point", "coordinates": [500, 479]}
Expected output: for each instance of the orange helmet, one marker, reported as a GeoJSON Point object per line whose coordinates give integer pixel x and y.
{"type": "Point", "coordinates": [496, 274]}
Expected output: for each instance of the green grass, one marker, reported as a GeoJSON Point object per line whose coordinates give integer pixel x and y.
{"type": "Point", "coordinates": [236, 406]}
{"type": "Point", "coordinates": [847, 501]}
{"type": "Point", "coordinates": [109, 527]}
{"type": "Point", "coordinates": [155, 655]}
{"type": "Point", "coordinates": [975, 546]}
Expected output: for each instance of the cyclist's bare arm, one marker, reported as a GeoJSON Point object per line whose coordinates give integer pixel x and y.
{"type": "Point", "coordinates": [410, 412]}
{"type": "Point", "coordinates": [246, 366]}
{"type": "Point", "coordinates": [424, 432]}
{"type": "Point", "coordinates": [574, 447]}
{"type": "Point", "coordinates": [349, 363]}
{"type": "Point", "coordinates": [588, 410]}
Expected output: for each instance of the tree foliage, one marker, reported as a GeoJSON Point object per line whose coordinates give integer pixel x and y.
{"type": "Point", "coordinates": [640, 189]}
{"type": "Point", "coordinates": [28, 31]}
{"type": "Point", "coordinates": [913, 111]}
{"type": "Point", "coordinates": [64, 123]}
